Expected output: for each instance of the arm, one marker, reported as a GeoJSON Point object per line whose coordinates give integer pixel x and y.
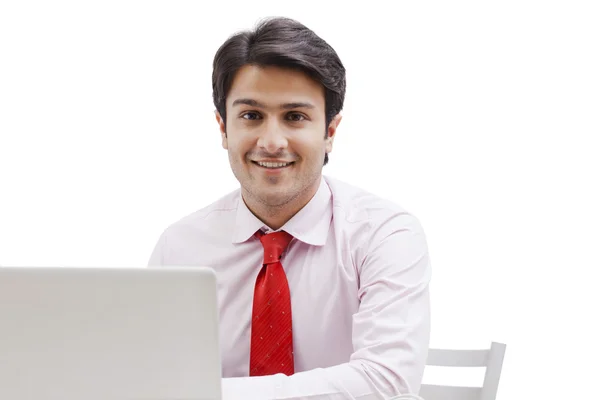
{"type": "Point", "coordinates": [157, 256]}
{"type": "Point", "coordinates": [390, 329]}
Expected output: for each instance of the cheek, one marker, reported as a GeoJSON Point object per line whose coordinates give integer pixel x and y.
{"type": "Point", "coordinates": [309, 148]}
{"type": "Point", "coordinates": [240, 146]}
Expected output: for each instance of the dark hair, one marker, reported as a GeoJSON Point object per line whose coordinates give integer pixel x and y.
{"type": "Point", "coordinates": [286, 43]}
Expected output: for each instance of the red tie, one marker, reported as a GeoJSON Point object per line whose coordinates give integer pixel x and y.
{"type": "Point", "coordinates": [271, 346]}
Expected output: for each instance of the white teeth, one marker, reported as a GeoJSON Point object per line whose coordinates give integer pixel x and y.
{"type": "Point", "coordinates": [272, 165]}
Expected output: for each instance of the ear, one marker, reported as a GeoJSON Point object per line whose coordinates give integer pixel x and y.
{"type": "Point", "coordinates": [221, 123]}
{"type": "Point", "coordinates": [331, 130]}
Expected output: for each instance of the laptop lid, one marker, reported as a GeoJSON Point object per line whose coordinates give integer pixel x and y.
{"type": "Point", "coordinates": [109, 333]}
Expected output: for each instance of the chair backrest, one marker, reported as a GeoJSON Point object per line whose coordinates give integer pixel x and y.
{"type": "Point", "coordinates": [491, 359]}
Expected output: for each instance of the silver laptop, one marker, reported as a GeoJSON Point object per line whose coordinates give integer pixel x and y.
{"type": "Point", "coordinates": [109, 333]}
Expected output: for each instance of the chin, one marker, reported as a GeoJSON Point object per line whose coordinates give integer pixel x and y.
{"type": "Point", "coordinates": [273, 197]}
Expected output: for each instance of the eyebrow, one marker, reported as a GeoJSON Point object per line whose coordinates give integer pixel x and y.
{"type": "Point", "coordinates": [284, 106]}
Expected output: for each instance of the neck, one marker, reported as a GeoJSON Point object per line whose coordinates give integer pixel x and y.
{"type": "Point", "coordinates": [277, 216]}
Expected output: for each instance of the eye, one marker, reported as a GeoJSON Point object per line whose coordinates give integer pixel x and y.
{"type": "Point", "coordinates": [250, 116]}
{"type": "Point", "coordinates": [296, 117]}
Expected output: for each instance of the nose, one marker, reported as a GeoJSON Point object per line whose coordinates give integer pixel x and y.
{"type": "Point", "coordinates": [272, 138]}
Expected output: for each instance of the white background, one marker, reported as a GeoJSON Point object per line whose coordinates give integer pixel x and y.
{"type": "Point", "coordinates": [482, 118]}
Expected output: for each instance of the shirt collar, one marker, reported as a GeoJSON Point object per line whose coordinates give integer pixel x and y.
{"type": "Point", "coordinates": [310, 225]}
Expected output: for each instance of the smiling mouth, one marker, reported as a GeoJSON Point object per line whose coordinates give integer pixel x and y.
{"type": "Point", "coordinates": [273, 166]}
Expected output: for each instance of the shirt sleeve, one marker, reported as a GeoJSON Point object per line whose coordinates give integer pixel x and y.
{"type": "Point", "coordinates": [157, 256]}
{"type": "Point", "coordinates": [391, 328]}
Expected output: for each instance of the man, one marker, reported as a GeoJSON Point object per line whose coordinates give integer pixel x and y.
{"type": "Point", "coordinates": [323, 287]}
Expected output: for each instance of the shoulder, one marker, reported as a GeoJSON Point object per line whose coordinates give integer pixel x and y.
{"type": "Point", "coordinates": [367, 219]}
{"type": "Point", "coordinates": [386, 241]}
{"type": "Point", "coordinates": [183, 241]}
{"type": "Point", "coordinates": [207, 221]}
{"type": "Point", "coordinates": [360, 206]}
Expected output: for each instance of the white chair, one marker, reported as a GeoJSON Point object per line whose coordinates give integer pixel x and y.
{"type": "Point", "coordinates": [491, 359]}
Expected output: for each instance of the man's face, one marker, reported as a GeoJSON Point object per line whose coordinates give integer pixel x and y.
{"type": "Point", "coordinates": [276, 115]}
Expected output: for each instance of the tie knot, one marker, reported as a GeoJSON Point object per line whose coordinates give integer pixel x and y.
{"type": "Point", "coordinates": [274, 244]}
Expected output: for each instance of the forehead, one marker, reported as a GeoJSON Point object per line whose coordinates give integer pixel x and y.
{"type": "Point", "coordinates": [275, 85]}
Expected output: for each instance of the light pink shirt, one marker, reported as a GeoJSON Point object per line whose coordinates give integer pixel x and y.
{"type": "Point", "coordinates": [358, 270]}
